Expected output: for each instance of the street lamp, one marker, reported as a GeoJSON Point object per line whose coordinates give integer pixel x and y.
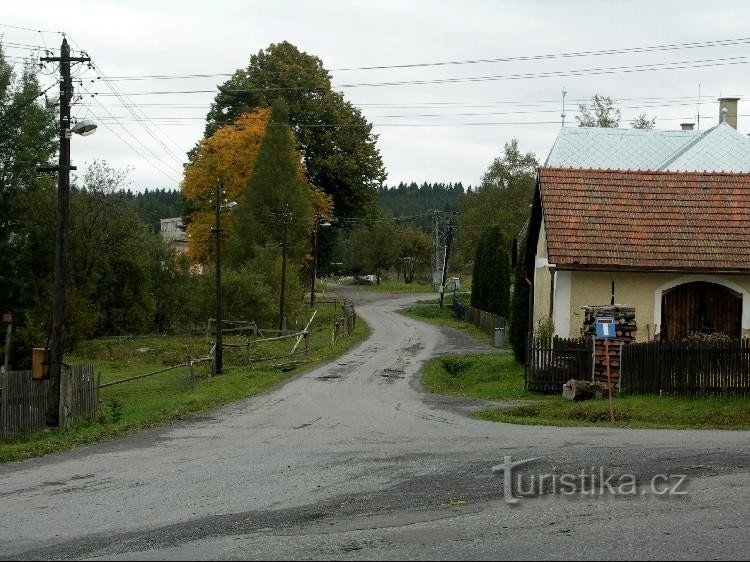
{"type": "Point", "coordinates": [63, 169]}
{"type": "Point", "coordinates": [318, 224]}
{"type": "Point", "coordinates": [218, 349]}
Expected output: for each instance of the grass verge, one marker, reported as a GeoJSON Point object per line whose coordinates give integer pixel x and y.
{"type": "Point", "coordinates": [647, 412]}
{"type": "Point", "coordinates": [491, 376]}
{"type": "Point", "coordinates": [430, 311]}
{"type": "Point", "coordinates": [499, 377]}
{"type": "Point", "coordinates": [173, 395]}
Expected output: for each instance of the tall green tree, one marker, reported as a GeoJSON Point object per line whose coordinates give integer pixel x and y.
{"type": "Point", "coordinates": [414, 251]}
{"type": "Point", "coordinates": [490, 286]}
{"type": "Point", "coordinates": [502, 199]}
{"type": "Point", "coordinates": [277, 208]}
{"type": "Point", "coordinates": [277, 192]}
{"type": "Point", "coordinates": [337, 144]}
{"type": "Point", "coordinates": [374, 248]}
{"type": "Point", "coordinates": [601, 112]}
{"type": "Point", "coordinates": [518, 328]}
{"type": "Point", "coordinates": [27, 139]}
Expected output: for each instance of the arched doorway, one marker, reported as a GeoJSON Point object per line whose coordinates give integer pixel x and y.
{"type": "Point", "coordinates": [702, 307]}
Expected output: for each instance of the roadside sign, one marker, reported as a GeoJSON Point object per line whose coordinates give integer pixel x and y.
{"type": "Point", "coordinates": [605, 330]}
{"type": "Point", "coordinates": [605, 327]}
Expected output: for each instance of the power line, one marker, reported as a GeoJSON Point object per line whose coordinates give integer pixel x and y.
{"type": "Point", "coordinates": [13, 110]}
{"type": "Point", "coordinates": [680, 65]}
{"type": "Point", "coordinates": [133, 109]}
{"type": "Point", "coordinates": [133, 148]}
{"type": "Point", "coordinates": [30, 29]}
{"type": "Point", "coordinates": [628, 50]}
{"type": "Point", "coordinates": [521, 58]}
{"type": "Point", "coordinates": [626, 69]}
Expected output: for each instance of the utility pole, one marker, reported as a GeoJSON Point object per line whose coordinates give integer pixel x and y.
{"type": "Point", "coordinates": [218, 349]}
{"type": "Point", "coordinates": [63, 197]}
{"type": "Point", "coordinates": [315, 260]}
{"type": "Point", "coordinates": [286, 217]}
{"type": "Point", "coordinates": [318, 224]}
{"type": "Point", "coordinates": [448, 240]}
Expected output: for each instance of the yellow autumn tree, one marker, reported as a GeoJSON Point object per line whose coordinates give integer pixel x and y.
{"type": "Point", "coordinates": [228, 155]}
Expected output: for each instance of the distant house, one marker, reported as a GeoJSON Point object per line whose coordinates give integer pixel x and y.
{"type": "Point", "coordinates": [657, 220]}
{"type": "Point", "coordinates": [173, 234]}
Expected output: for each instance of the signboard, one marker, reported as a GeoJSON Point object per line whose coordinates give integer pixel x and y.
{"type": "Point", "coordinates": [605, 327]}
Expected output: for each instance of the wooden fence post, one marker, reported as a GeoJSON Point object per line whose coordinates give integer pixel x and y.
{"type": "Point", "coordinates": [66, 395]}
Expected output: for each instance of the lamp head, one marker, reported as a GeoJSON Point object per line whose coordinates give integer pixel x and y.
{"type": "Point", "coordinates": [84, 128]}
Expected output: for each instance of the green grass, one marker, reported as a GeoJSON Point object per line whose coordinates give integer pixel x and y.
{"type": "Point", "coordinates": [500, 377]}
{"type": "Point", "coordinates": [171, 396]}
{"type": "Point", "coordinates": [491, 376]}
{"type": "Point", "coordinates": [650, 412]}
{"type": "Point", "coordinates": [430, 311]}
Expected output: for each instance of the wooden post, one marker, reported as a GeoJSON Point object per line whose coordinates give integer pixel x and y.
{"type": "Point", "coordinates": [4, 376]}
{"type": "Point", "coordinates": [66, 396]}
{"type": "Point", "coordinates": [609, 379]}
{"type": "Point", "coordinates": [96, 395]}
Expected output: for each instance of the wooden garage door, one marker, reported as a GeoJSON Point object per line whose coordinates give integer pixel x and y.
{"type": "Point", "coordinates": [703, 307]}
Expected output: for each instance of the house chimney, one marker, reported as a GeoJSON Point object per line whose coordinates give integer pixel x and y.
{"type": "Point", "coordinates": [730, 115]}
{"type": "Point", "coordinates": [687, 126]}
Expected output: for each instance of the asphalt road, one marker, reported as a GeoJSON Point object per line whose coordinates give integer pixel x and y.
{"type": "Point", "coordinates": [354, 461]}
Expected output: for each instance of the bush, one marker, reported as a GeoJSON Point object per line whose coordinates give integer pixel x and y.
{"type": "Point", "coordinates": [545, 329]}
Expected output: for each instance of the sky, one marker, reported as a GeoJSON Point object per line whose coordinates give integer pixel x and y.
{"type": "Point", "coordinates": [446, 124]}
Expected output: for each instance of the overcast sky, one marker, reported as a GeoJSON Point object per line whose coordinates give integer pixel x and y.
{"type": "Point", "coordinates": [445, 132]}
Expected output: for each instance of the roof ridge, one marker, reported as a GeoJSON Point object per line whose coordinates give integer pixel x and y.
{"type": "Point", "coordinates": [695, 140]}
{"type": "Point", "coordinates": [707, 173]}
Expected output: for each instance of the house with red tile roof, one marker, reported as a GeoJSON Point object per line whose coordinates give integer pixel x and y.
{"type": "Point", "coordinates": [672, 243]}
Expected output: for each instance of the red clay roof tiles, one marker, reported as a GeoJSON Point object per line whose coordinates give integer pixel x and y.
{"type": "Point", "coordinates": [646, 220]}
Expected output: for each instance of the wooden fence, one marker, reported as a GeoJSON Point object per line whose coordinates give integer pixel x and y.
{"type": "Point", "coordinates": [23, 401]}
{"type": "Point", "coordinates": [686, 368]}
{"type": "Point", "coordinates": [485, 321]}
{"type": "Point", "coordinates": [551, 362]}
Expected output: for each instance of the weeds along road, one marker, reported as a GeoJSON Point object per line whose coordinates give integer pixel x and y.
{"type": "Point", "coordinates": [353, 460]}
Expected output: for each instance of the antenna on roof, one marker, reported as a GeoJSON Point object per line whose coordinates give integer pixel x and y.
{"type": "Point", "coordinates": [564, 92]}
{"type": "Point", "coordinates": [699, 106]}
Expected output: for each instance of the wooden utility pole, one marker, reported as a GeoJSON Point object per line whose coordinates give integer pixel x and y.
{"type": "Point", "coordinates": [63, 197]}
{"type": "Point", "coordinates": [448, 240]}
{"type": "Point", "coordinates": [218, 349]}
{"type": "Point", "coordinates": [315, 260]}
{"type": "Point", "coordinates": [286, 217]}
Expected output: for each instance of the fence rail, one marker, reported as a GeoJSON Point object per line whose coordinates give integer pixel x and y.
{"type": "Point", "coordinates": [485, 321]}
{"type": "Point", "coordinates": [551, 362]}
{"type": "Point", "coordinates": [23, 401]}
{"type": "Point", "coordinates": [686, 368]}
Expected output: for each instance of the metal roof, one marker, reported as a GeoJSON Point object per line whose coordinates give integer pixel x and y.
{"type": "Point", "coordinates": [718, 149]}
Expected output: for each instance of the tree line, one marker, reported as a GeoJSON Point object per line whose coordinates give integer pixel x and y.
{"type": "Point", "coordinates": [122, 278]}
{"type": "Point", "coordinates": [263, 140]}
